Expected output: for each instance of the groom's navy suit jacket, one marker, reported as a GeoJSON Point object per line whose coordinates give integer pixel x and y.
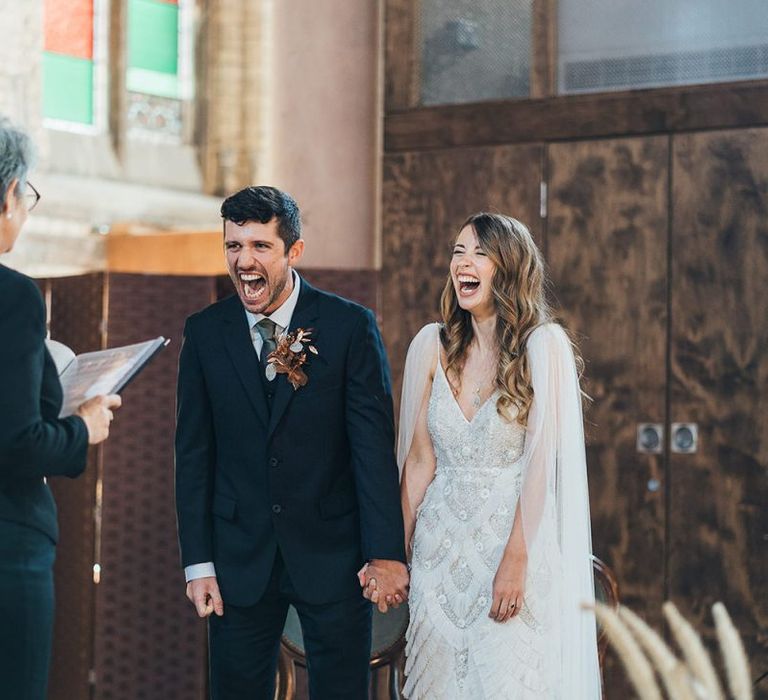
{"type": "Point", "coordinates": [314, 475]}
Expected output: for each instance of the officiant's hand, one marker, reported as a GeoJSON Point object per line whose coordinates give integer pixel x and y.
{"type": "Point", "coordinates": [205, 596]}
{"type": "Point", "coordinates": [97, 413]}
{"type": "Point", "coordinates": [385, 583]}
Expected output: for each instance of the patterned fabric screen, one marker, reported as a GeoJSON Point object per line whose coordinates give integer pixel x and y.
{"type": "Point", "coordinates": [68, 71]}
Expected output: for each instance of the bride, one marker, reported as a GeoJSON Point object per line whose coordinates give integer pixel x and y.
{"type": "Point", "coordinates": [494, 486]}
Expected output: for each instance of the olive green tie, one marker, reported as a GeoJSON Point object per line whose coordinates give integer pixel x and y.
{"type": "Point", "coordinates": [267, 329]}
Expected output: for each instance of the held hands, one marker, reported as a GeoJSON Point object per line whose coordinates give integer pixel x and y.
{"type": "Point", "coordinates": [204, 594]}
{"type": "Point", "coordinates": [508, 587]}
{"type": "Point", "coordinates": [385, 583]}
{"type": "Point", "coordinates": [97, 413]}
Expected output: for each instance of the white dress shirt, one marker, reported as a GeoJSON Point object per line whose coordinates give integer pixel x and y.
{"type": "Point", "coordinates": [282, 319]}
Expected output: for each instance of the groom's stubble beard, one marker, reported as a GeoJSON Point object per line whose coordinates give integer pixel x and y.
{"type": "Point", "coordinates": [274, 300]}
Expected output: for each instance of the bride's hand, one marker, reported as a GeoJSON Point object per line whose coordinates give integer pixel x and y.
{"type": "Point", "coordinates": [508, 588]}
{"type": "Point", "coordinates": [362, 576]}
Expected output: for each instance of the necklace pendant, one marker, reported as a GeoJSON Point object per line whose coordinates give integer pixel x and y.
{"type": "Point", "coordinates": [476, 401]}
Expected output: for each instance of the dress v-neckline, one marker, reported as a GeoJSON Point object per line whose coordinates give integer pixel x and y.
{"type": "Point", "coordinates": [454, 400]}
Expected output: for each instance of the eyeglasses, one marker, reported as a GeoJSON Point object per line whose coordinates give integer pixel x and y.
{"type": "Point", "coordinates": [32, 198]}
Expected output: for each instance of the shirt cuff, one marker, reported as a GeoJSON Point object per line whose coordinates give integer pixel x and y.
{"type": "Point", "coordinates": [194, 571]}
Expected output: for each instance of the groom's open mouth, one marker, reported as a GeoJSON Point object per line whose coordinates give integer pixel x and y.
{"type": "Point", "coordinates": [254, 285]}
{"type": "Point", "coordinates": [468, 284]}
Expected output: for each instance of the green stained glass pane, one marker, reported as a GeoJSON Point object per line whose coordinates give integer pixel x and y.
{"type": "Point", "coordinates": [152, 82]}
{"type": "Point", "coordinates": [153, 36]}
{"type": "Point", "coordinates": [67, 88]}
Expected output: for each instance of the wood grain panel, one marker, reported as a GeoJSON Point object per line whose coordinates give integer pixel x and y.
{"type": "Point", "coordinates": [361, 286]}
{"type": "Point", "coordinates": [426, 197]}
{"type": "Point", "coordinates": [719, 514]}
{"type": "Point", "coordinates": [401, 77]}
{"type": "Point", "coordinates": [578, 116]}
{"type": "Point", "coordinates": [607, 251]}
{"type": "Point", "coordinates": [198, 253]}
{"type": "Point", "coordinates": [544, 48]}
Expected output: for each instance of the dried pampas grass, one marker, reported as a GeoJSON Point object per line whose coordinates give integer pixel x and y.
{"type": "Point", "coordinates": [639, 670]}
{"type": "Point", "coordinates": [695, 654]}
{"type": "Point", "coordinates": [645, 655]}
{"type": "Point", "coordinates": [673, 672]}
{"type": "Point", "coordinates": [732, 649]}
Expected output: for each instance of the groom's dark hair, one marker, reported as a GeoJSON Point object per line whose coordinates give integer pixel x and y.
{"type": "Point", "coordinates": [262, 203]}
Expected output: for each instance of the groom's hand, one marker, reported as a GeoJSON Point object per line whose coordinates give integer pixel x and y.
{"type": "Point", "coordinates": [205, 596]}
{"type": "Point", "coordinates": [385, 583]}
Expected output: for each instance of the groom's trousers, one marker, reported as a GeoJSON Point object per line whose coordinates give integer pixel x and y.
{"type": "Point", "coordinates": [245, 643]}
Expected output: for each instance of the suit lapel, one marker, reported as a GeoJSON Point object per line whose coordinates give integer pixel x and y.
{"type": "Point", "coordinates": [237, 337]}
{"type": "Point", "coordinates": [304, 315]}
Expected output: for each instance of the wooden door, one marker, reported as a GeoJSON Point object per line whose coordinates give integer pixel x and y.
{"type": "Point", "coordinates": [426, 197]}
{"type": "Point", "coordinates": [607, 252]}
{"type": "Point", "coordinates": [718, 516]}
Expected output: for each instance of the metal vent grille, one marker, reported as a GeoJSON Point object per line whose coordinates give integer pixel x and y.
{"type": "Point", "coordinates": [683, 68]}
{"type": "Point", "coordinates": [474, 50]}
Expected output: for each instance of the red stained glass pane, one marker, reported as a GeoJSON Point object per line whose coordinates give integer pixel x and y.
{"type": "Point", "coordinates": [68, 27]}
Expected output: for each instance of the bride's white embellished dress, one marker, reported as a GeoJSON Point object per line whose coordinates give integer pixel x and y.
{"type": "Point", "coordinates": [454, 650]}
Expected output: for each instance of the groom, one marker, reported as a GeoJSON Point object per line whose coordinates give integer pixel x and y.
{"type": "Point", "coordinates": [286, 483]}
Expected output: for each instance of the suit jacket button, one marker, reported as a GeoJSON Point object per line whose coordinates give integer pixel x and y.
{"type": "Point", "coordinates": [274, 461]}
{"type": "Point", "coordinates": [276, 508]}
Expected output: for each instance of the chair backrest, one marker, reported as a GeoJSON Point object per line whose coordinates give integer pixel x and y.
{"type": "Point", "coordinates": [388, 635]}
{"type": "Point", "coordinates": [606, 591]}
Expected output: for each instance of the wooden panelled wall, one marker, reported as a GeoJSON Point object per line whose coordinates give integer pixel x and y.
{"type": "Point", "coordinates": [658, 251]}
{"type": "Point", "coordinates": [655, 231]}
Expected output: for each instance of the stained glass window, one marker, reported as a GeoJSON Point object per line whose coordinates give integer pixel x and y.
{"type": "Point", "coordinates": [159, 72]}
{"type": "Point", "coordinates": [153, 47]}
{"type": "Point", "coordinates": [68, 61]}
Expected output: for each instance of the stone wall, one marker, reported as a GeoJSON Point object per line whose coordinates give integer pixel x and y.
{"type": "Point", "coordinates": [285, 93]}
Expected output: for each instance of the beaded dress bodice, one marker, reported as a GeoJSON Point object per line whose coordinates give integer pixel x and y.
{"type": "Point", "coordinates": [462, 527]}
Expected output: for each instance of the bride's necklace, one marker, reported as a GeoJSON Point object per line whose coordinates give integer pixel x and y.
{"type": "Point", "coordinates": [478, 388]}
{"type": "Point", "coordinates": [476, 400]}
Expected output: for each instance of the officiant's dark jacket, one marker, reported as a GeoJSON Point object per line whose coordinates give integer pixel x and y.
{"type": "Point", "coordinates": [311, 471]}
{"type": "Point", "coordinates": [34, 443]}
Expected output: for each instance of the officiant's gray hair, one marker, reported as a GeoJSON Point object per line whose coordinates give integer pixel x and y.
{"type": "Point", "coordinates": [16, 157]}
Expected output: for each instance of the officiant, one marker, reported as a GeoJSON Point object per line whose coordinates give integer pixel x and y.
{"type": "Point", "coordinates": [34, 444]}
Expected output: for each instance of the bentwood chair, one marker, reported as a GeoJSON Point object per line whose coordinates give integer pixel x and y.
{"type": "Point", "coordinates": [607, 592]}
{"type": "Point", "coordinates": [388, 642]}
{"type": "Point", "coordinates": [389, 639]}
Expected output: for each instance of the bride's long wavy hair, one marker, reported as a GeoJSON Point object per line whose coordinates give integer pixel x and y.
{"type": "Point", "coordinates": [518, 289]}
